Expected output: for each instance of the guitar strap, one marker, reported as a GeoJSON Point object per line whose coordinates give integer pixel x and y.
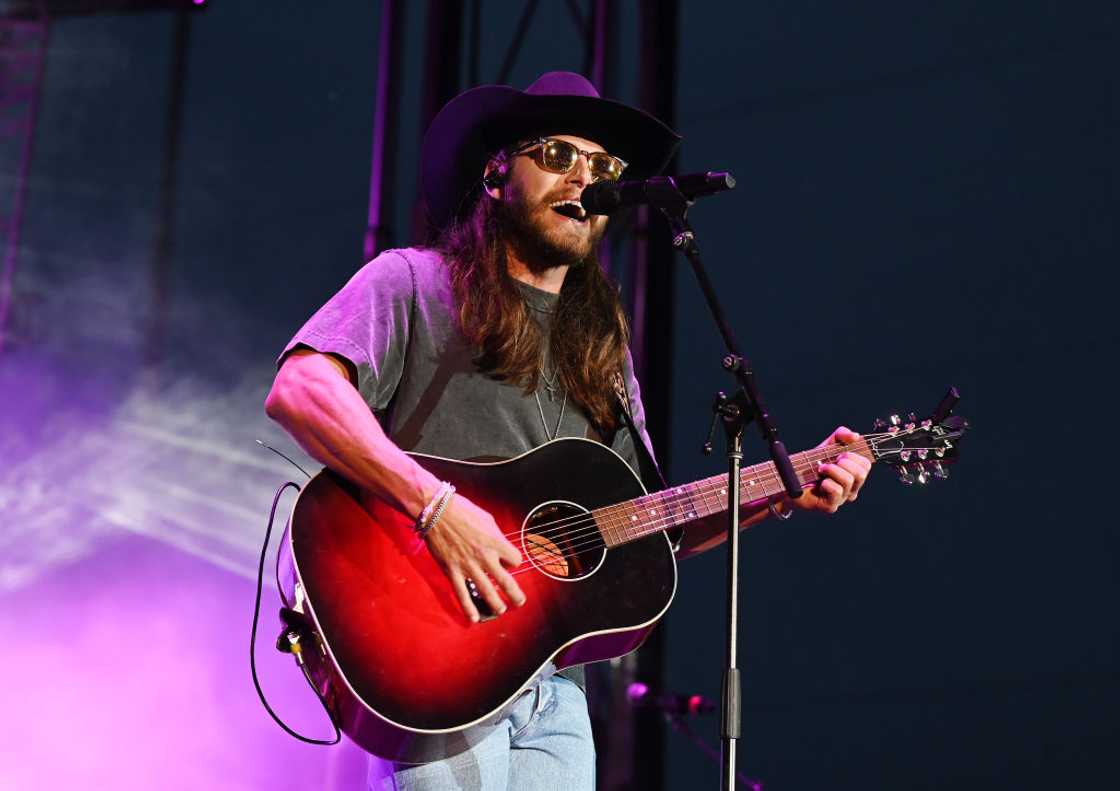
{"type": "Point", "coordinates": [648, 470]}
{"type": "Point", "coordinates": [650, 473]}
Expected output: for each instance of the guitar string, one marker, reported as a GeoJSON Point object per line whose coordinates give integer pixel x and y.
{"type": "Point", "coordinates": [597, 538]}
{"type": "Point", "coordinates": [823, 452]}
{"type": "Point", "coordinates": [584, 530]}
{"type": "Point", "coordinates": [588, 526]}
{"type": "Point", "coordinates": [669, 518]}
{"type": "Point", "coordinates": [591, 526]}
{"type": "Point", "coordinates": [592, 538]}
{"type": "Point", "coordinates": [680, 494]}
{"type": "Point", "coordinates": [574, 527]}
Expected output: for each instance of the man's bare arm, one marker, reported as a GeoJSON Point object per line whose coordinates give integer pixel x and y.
{"type": "Point", "coordinates": [315, 401]}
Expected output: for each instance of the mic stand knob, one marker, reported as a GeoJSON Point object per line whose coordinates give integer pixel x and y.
{"type": "Point", "coordinates": [717, 412]}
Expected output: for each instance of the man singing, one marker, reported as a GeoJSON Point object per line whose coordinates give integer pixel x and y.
{"type": "Point", "coordinates": [502, 336]}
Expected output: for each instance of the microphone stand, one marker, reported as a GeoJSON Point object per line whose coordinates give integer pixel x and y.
{"type": "Point", "coordinates": [735, 412]}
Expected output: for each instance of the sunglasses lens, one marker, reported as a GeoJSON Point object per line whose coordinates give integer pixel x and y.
{"type": "Point", "coordinates": [559, 156]}
{"type": "Point", "coordinates": [604, 167]}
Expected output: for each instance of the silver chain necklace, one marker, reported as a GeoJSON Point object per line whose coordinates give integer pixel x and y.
{"type": "Point", "coordinates": [550, 383]}
{"type": "Point", "coordinates": [550, 387]}
{"type": "Point", "coordinates": [544, 424]}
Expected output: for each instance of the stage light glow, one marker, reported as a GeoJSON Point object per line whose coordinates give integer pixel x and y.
{"type": "Point", "coordinates": [178, 464]}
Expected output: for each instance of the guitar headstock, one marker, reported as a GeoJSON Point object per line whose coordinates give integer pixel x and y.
{"type": "Point", "coordinates": [918, 449]}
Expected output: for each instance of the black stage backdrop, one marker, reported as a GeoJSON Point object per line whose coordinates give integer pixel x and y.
{"type": "Point", "coordinates": [926, 197]}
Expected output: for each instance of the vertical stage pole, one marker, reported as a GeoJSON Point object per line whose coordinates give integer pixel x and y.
{"type": "Point", "coordinates": [383, 170]}
{"type": "Point", "coordinates": [626, 756]}
{"type": "Point", "coordinates": [442, 54]}
{"type": "Point", "coordinates": [653, 308]}
{"type": "Point", "coordinates": [654, 263]}
{"type": "Point", "coordinates": [600, 66]}
{"type": "Point", "coordinates": [16, 93]}
{"type": "Point", "coordinates": [169, 171]}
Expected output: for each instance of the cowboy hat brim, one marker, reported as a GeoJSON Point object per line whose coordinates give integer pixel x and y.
{"type": "Point", "coordinates": [479, 122]}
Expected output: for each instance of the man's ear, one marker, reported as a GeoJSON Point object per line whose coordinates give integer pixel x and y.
{"type": "Point", "coordinates": [494, 177]}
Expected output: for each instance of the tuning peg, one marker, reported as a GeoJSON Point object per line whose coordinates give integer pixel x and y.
{"type": "Point", "coordinates": [894, 420]}
{"type": "Point", "coordinates": [904, 455]}
{"type": "Point", "coordinates": [922, 453]}
{"type": "Point", "coordinates": [922, 476]}
{"type": "Point", "coordinates": [905, 476]}
{"type": "Point", "coordinates": [879, 424]}
{"type": "Point", "coordinates": [912, 417]}
{"type": "Point", "coordinates": [939, 471]}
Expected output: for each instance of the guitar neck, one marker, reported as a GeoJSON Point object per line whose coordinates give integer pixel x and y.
{"type": "Point", "coordinates": [679, 505]}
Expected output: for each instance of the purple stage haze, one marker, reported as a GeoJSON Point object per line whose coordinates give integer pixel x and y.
{"type": "Point", "coordinates": [131, 517]}
{"type": "Point", "coordinates": [130, 672]}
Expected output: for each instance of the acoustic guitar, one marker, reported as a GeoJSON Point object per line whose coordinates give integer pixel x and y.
{"type": "Point", "coordinates": [381, 634]}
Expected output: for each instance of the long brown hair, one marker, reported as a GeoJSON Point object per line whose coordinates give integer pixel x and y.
{"type": "Point", "coordinates": [588, 336]}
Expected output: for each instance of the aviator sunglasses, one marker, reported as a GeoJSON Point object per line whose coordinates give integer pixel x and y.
{"type": "Point", "coordinates": [560, 156]}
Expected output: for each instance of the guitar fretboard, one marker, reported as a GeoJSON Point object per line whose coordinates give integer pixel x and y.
{"type": "Point", "coordinates": [678, 505]}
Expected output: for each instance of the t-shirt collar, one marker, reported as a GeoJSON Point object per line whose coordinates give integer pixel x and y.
{"type": "Point", "coordinates": [536, 298]}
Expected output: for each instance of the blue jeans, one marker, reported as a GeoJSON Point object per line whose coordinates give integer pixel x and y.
{"type": "Point", "coordinates": [545, 743]}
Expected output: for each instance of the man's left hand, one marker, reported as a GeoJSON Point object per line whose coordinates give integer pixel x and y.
{"type": "Point", "coordinates": [840, 481]}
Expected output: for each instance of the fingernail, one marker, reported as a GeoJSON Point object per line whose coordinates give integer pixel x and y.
{"type": "Point", "coordinates": [474, 619]}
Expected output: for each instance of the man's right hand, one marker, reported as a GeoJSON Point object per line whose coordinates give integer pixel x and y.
{"type": "Point", "coordinates": [315, 400]}
{"type": "Point", "coordinates": [468, 544]}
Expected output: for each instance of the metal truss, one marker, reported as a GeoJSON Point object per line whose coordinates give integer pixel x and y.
{"type": "Point", "coordinates": [24, 37]}
{"type": "Point", "coordinates": [23, 53]}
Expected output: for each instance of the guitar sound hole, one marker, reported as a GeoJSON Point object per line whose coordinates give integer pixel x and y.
{"type": "Point", "coordinates": [562, 541]}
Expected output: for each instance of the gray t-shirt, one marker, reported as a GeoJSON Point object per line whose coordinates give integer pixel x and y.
{"type": "Point", "coordinates": [396, 324]}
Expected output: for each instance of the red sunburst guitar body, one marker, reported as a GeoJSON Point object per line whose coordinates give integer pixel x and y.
{"type": "Point", "coordinates": [384, 640]}
{"type": "Point", "coordinates": [402, 670]}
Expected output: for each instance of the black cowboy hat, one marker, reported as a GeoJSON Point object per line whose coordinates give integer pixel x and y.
{"type": "Point", "coordinates": [478, 123]}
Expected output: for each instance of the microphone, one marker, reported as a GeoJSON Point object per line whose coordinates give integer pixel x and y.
{"type": "Point", "coordinates": [604, 197]}
{"type": "Point", "coordinates": [640, 696]}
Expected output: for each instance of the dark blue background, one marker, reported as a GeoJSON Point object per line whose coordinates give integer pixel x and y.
{"type": "Point", "coordinates": [926, 197]}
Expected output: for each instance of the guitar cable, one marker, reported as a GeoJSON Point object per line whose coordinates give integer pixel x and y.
{"type": "Point", "coordinates": [294, 644]}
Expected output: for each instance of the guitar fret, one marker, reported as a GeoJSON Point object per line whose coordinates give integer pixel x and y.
{"type": "Point", "coordinates": [620, 524]}
{"type": "Point", "coordinates": [618, 527]}
{"type": "Point", "coordinates": [651, 513]}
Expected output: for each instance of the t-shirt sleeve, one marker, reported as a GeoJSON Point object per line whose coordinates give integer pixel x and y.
{"type": "Point", "coordinates": [367, 324]}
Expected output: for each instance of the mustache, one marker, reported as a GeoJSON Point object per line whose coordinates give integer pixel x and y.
{"type": "Point", "coordinates": [559, 195]}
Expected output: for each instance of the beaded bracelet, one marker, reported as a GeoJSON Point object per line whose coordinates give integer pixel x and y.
{"type": "Point", "coordinates": [432, 513]}
{"type": "Point", "coordinates": [426, 514]}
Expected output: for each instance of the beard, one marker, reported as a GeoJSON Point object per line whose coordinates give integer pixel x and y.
{"type": "Point", "coordinates": [541, 246]}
